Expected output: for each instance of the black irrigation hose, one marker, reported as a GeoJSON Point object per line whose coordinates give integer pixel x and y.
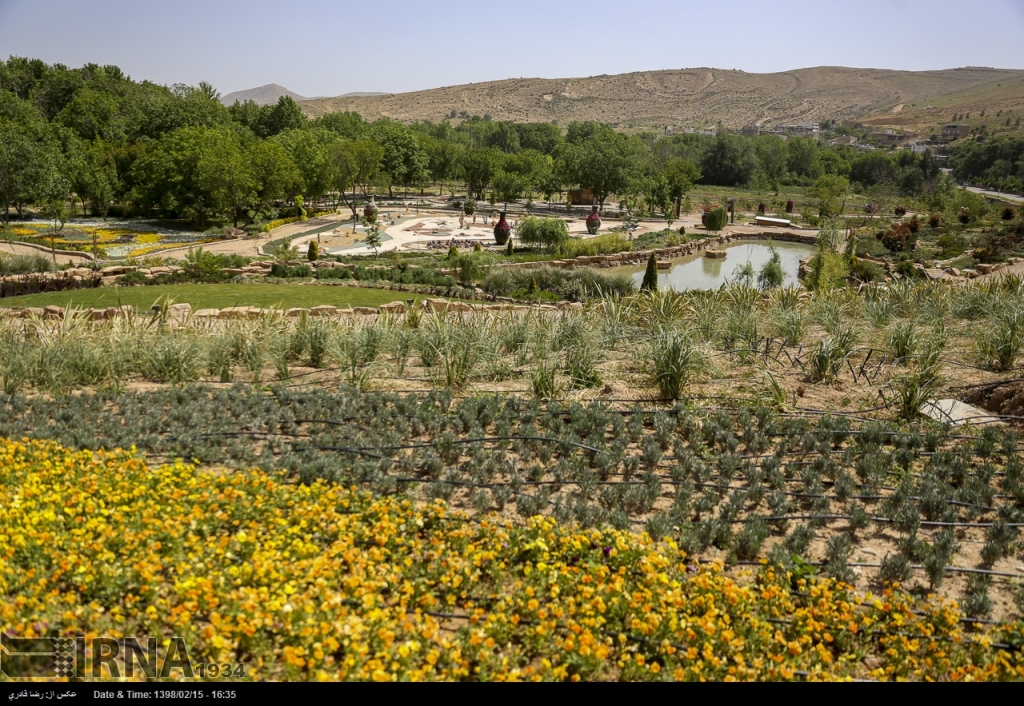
{"type": "Point", "coordinates": [884, 520]}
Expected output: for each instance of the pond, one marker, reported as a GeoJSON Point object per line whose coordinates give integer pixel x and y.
{"type": "Point", "coordinates": [699, 272]}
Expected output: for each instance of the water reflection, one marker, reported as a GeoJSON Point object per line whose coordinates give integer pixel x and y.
{"type": "Point", "coordinates": [700, 272]}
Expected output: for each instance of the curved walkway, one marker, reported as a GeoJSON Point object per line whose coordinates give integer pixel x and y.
{"type": "Point", "coordinates": [24, 250]}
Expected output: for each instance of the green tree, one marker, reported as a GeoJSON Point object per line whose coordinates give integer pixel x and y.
{"type": "Point", "coordinates": [443, 161]}
{"type": "Point", "coordinates": [347, 125]}
{"type": "Point", "coordinates": [830, 191]}
{"type": "Point", "coordinates": [373, 238]}
{"type": "Point", "coordinates": [226, 175]}
{"type": "Point", "coordinates": [100, 180]}
{"type": "Point", "coordinates": [405, 162]}
{"type": "Point", "coordinates": [479, 167]}
{"type": "Point", "coordinates": [308, 149]}
{"type": "Point", "coordinates": [650, 283]}
{"type": "Point", "coordinates": [285, 115]}
{"type": "Point", "coordinates": [729, 160]}
{"type": "Point", "coordinates": [772, 157]}
{"type": "Point", "coordinates": [355, 164]}
{"type": "Point", "coordinates": [680, 176]}
{"type": "Point", "coordinates": [604, 161]}
{"type": "Point", "coordinates": [313, 251]}
{"type": "Point", "coordinates": [274, 174]}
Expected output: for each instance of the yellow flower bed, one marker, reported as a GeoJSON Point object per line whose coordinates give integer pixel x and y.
{"type": "Point", "coordinates": [140, 252]}
{"type": "Point", "coordinates": [324, 582]}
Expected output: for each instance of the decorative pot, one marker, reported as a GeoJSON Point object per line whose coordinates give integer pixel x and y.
{"type": "Point", "coordinates": [502, 230]}
{"type": "Point", "coordinates": [370, 212]}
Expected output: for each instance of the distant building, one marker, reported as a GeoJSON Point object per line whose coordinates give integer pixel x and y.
{"type": "Point", "coordinates": [917, 147]}
{"type": "Point", "coordinates": [843, 140]}
{"type": "Point", "coordinates": [669, 130]}
{"type": "Point", "coordinates": [955, 131]}
{"type": "Point", "coordinates": [886, 138]}
{"type": "Point", "coordinates": [751, 130]}
{"type": "Point", "coordinates": [581, 197]}
{"type": "Point", "coordinates": [803, 129]}
{"type": "Point", "coordinates": [709, 132]}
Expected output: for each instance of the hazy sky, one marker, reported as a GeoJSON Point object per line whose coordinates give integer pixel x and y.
{"type": "Point", "coordinates": [322, 47]}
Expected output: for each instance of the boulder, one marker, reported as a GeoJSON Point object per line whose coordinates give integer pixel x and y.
{"type": "Point", "coordinates": [233, 312]}
{"type": "Point", "coordinates": [664, 265]}
{"type": "Point", "coordinates": [323, 310]}
{"type": "Point", "coordinates": [393, 308]}
{"type": "Point", "coordinates": [180, 310]}
{"type": "Point", "coordinates": [295, 313]}
{"type": "Point", "coordinates": [206, 314]}
{"type": "Point", "coordinates": [116, 270]}
{"type": "Point", "coordinates": [715, 254]}
{"type": "Point", "coordinates": [33, 312]}
{"type": "Point", "coordinates": [98, 314]}
{"type": "Point", "coordinates": [54, 312]}
{"type": "Point", "coordinates": [365, 310]}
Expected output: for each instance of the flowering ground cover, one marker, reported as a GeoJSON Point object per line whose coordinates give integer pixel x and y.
{"type": "Point", "coordinates": [320, 581]}
{"type": "Point", "coordinates": [114, 239]}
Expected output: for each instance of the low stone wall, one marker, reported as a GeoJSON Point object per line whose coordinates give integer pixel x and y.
{"type": "Point", "coordinates": [179, 314]}
{"type": "Point", "coordinates": [639, 257]}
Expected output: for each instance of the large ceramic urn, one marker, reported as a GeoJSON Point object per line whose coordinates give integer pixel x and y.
{"type": "Point", "coordinates": [370, 212]}
{"type": "Point", "coordinates": [502, 230]}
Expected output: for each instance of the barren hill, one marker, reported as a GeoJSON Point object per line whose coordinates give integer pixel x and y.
{"type": "Point", "coordinates": [264, 95]}
{"type": "Point", "coordinates": [695, 97]}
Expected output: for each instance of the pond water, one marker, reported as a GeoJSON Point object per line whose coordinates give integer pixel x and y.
{"type": "Point", "coordinates": [699, 272]}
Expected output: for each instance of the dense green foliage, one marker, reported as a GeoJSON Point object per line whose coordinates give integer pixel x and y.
{"type": "Point", "coordinates": [95, 137]}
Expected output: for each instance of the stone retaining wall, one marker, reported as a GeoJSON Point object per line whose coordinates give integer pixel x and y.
{"type": "Point", "coordinates": [178, 314]}
{"type": "Point", "coordinates": [639, 257]}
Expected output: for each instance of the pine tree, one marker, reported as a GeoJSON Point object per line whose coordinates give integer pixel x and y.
{"type": "Point", "coordinates": [313, 253]}
{"type": "Point", "coordinates": [650, 282]}
{"type": "Point", "coordinates": [508, 248]}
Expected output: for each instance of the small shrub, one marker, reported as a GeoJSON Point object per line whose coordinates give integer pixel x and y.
{"type": "Point", "coordinates": [935, 221]}
{"type": "Point", "coordinates": [313, 251]}
{"type": "Point", "coordinates": [715, 219]}
{"type": "Point", "coordinates": [899, 238]}
{"type": "Point", "coordinates": [550, 233]}
{"type": "Point", "coordinates": [1008, 213]}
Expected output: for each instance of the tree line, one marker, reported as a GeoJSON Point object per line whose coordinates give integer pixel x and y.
{"type": "Point", "coordinates": [95, 138]}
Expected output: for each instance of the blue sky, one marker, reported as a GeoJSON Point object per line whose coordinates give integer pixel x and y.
{"type": "Point", "coordinates": [321, 47]}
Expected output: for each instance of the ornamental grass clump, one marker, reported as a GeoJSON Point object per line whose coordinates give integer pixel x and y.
{"type": "Point", "coordinates": [674, 357]}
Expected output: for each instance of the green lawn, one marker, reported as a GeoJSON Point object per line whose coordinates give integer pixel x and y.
{"type": "Point", "coordinates": [214, 296]}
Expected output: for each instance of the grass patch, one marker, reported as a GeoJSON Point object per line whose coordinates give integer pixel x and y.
{"type": "Point", "coordinates": [213, 296]}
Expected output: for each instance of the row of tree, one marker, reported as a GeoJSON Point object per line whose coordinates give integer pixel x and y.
{"type": "Point", "coordinates": [94, 136]}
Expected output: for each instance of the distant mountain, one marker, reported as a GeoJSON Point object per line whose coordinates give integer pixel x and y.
{"type": "Point", "coordinates": [264, 95]}
{"type": "Point", "coordinates": [356, 94]}
{"type": "Point", "coordinates": [698, 98]}
{"type": "Point", "coordinates": [269, 94]}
